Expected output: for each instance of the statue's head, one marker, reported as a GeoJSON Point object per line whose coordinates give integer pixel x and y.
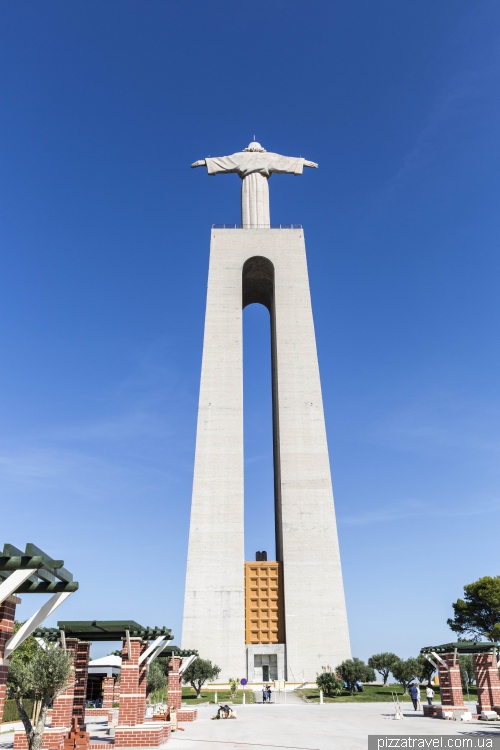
{"type": "Point", "coordinates": [254, 146]}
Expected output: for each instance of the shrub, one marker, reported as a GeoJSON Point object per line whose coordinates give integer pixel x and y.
{"type": "Point", "coordinates": [329, 683]}
{"type": "Point", "coordinates": [10, 712]}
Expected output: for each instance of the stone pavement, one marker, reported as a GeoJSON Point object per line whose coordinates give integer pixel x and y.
{"type": "Point", "coordinates": [338, 726]}
{"type": "Point", "coordinates": [342, 726]}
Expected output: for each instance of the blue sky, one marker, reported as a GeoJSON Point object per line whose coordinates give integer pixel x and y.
{"type": "Point", "coordinates": [104, 232]}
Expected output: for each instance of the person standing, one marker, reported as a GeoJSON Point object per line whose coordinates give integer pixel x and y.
{"type": "Point", "coordinates": [415, 695]}
{"type": "Point", "coordinates": [430, 695]}
{"type": "Point", "coordinates": [268, 693]}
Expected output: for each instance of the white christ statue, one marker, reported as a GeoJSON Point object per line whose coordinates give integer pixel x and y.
{"type": "Point", "coordinates": [255, 166]}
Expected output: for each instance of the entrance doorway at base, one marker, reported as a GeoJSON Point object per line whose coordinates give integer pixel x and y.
{"type": "Point", "coordinates": [265, 667]}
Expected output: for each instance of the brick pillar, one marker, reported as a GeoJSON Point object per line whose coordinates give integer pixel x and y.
{"type": "Point", "coordinates": [132, 685]}
{"type": "Point", "coordinates": [81, 667]}
{"type": "Point", "coordinates": [62, 709]}
{"type": "Point", "coordinates": [108, 688]}
{"type": "Point", "coordinates": [450, 683]}
{"type": "Point", "coordinates": [7, 617]}
{"type": "Point", "coordinates": [174, 683]}
{"type": "Point", "coordinates": [488, 684]}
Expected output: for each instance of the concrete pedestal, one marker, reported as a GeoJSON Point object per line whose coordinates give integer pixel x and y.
{"type": "Point", "coordinates": [437, 711]}
{"type": "Point", "coordinates": [266, 266]}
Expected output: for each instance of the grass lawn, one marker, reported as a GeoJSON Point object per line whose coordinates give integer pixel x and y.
{"type": "Point", "coordinates": [376, 694]}
{"type": "Point", "coordinates": [189, 696]}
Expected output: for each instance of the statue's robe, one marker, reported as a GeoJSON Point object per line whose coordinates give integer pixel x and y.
{"type": "Point", "coordinates": [255, 168]}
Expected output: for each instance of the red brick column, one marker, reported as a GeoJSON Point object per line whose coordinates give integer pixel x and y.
{"type": "Point", "coordinates": [81, 667]}
{"type": "Point", "coordinates": [62, 709]}
{"type": "Point", "coordinates": [450, 683]}
{"type": "Point", "coordinates": [132, 685]}
{"type": "Point", "coordinates": [108, 689]}
{"type": "Point", "coordinates": [7, 617]}
{"type": "Point", "coordinates": [174, 683]}
{"type": "Point", "coordinates": [488, 684]}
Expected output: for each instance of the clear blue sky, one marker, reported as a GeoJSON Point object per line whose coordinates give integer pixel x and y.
{"type": "Point", "coordinates": [104, 231]}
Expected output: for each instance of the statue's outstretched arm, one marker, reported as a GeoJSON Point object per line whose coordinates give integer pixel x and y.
{"type": "Point", "coordinates": [199, 163]}
{"type": "Point", "coordinates": [306, 164]}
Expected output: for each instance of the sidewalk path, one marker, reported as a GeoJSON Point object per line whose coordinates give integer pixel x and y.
{"type": "Point", "coordinates": [289, 698]}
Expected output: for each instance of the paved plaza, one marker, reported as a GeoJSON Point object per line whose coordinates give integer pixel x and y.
{"type": "Point", "coordinates": [298, 726]}
{"type": "Point", "coordinates": [312, 727]}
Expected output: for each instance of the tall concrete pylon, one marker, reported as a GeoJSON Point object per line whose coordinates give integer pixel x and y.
{"type": "Point", "coordinates": [267, 266]}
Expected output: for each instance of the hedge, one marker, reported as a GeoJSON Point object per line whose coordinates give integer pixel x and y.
{"type": "Point", "coordinates": [10, 712]}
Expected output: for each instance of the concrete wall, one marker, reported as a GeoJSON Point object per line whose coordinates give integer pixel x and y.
{"type": "Point", "coordinates": [315, 615]}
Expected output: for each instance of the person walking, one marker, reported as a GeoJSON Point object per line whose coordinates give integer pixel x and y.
{"type": "Point", "coordinates": [430, 695]}
{"type": "Point", "coordinates": [264, 694]}
{"type": "Point", "coordinates": [268, 693]}
{"type": "Point", "coordinates": [415, 695]}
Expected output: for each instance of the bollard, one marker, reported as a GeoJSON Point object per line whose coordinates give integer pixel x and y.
{"type": "Point", "coordinates": [321, 696]}
{"type": "Point", "coordinates": [215, 697]}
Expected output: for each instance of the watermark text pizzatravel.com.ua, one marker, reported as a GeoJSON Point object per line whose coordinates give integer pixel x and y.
{"type": "Point", "coordinates": [381, 742]}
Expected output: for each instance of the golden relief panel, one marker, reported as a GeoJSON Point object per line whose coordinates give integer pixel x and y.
{"type": "Point", "coordinates": [264, 610]}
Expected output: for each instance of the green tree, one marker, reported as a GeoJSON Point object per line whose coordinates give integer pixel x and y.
{"type": "Point", "coordinates": [478, 613]}
{"type": "Point", "coordinates": [41, 674]}
{"type": "Point", "coordinates": [405, 671]}
{"type": "Point", "coordinates": [382, 663]}
{"type": "Point", "coordinates": [26, 651]}
{"type": "Point", "coordinates": [233, 686]}
{"type": "Point", "coordinates": [425, 669]}
{"type": "Point", "coordinates": [157, 678]}
{"type": "Point", "coordinates": [329, 683]}
{"type": "Point", "coordinates": [199, 672]}
{"type": "Point", "coordinates": [467, 674]}
{"type": "Point", "coordinates": [353, 671]}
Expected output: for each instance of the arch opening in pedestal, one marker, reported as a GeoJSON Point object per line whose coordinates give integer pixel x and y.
{"type": "Point", "coordinates": [258, 288]}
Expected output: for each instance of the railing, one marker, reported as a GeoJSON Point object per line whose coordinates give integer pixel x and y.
{"type": "Point", "coordinates": [259, 226]}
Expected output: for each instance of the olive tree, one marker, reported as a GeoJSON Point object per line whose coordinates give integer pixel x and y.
{"type": "Point", "coordinates": [353, 671]}
{"type": "Point", "coordinates": [405, 671]}
{"type": "Point", "coordinates": [43, 675]}
{"type": "Point", "coordinates": [157, 678]}
{"type": "Point", "coordinates": [425, 669]}
{"type": "Point", "coordinates": [199, 672]}
{"type": "Point", "coordinates": [382, 663]}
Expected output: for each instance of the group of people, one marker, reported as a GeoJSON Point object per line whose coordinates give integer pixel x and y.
{"type": "Point", "coordinates": [266, 694]}
{"type": "Point", "coordinates": [415, 695]}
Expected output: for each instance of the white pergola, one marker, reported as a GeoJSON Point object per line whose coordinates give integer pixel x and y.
{"type": "Point", "coordinates": [32, 572]}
